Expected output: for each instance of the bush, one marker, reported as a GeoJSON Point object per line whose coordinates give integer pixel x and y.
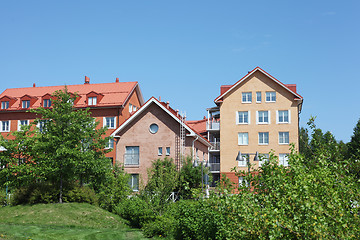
{"type": "Point", "coordinates": [136, 211]}
{"type": "Point", "coordinates": [3, 199]}
{"type": "Point", "coordinates": [162, 226]}
{"type": "Point", "coordinates": [81, 194]}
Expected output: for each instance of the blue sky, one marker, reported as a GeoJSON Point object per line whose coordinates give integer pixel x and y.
{"type": "Point", "coordinates": [184, 50]}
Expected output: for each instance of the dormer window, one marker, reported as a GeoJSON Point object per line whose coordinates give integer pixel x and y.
{"type": "Point", "coordinates": [25, 103]}
{"type": "Point", "coordinates": [5, 105]}
{"type": "Point", "coordinates": [92, 101]}
{"type": "Point", "coordinates": [47, 103]}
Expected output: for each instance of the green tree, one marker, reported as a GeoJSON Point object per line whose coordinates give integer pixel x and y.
{"type": "Point", "coordinates": [61, 146]}
{"type": "Point", "coordinates": [353, 151]}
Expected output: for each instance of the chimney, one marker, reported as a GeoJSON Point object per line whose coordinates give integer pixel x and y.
{"type": "Point", "coordinates": [177, 112]}
{"type": "Point", "coordinates": [159, 98]}
{"type": "Point", "coordinates": [87, 80]}
{"type": "Point", "coordinates": [224, 88]}
{"type": "Point", "coordinates": [34, 85]}
{"type": "Point", "coordinates": [167, 104]}
{"type": "Point", "coordinates": [117, 80]}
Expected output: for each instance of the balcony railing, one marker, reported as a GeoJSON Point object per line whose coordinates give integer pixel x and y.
{"type": "Point", "coordinates": [215, 146]}
{"type": "Point", "coordinates": [214, 167]}
{"type": "Point", "coordinates": [213, 126]}
{"type": "Point", "coordinates": [131, 159]}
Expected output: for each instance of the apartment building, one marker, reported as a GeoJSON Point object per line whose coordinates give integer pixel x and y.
{"type": "Point", "coordinates": [257, 114]}
{"type": "Point", "coordinates": [109, 103]}
{"type": "Point", "coordinates": [152, 132]}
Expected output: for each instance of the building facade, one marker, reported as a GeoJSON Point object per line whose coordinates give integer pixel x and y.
{"type": "Point", "coordinates": [156, 131]}
{"type": "Point", "coordinates": [109, 103]}
{"type": "Point", "coordinates": [257, 114]}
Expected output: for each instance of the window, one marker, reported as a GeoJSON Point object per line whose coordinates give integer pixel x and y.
{"type": "Point", "coordinates": [160, 151]}
{"type": "Point", "coordinates": [167, 151]}
{"type": "Point", "coordinates": [130, 108]}
{"type": "Point", "coordinates": [22, 123]}
{"type": "Point", "coordinates": [5, 126]}
{"type": "Point", "coordinates": [283, 116]}
{"type": "Point", "coordinates": [244, 161]}
{"type": "Point", "coordinates": [243, 182]}
{"type": "Point", "coordinates": [263, 138]}
{"type": "Point", "coordinates": [243, 117]}
{"type": "Point", "coordinates": [246, 97]}
{"type": "Point", "coordinates": [283, 137]}
{"type": "Point", "coordinates": [47, 103]}
{"type": "Point", "coordinates": [243, 138]}
{"type": "Point", "coordinates": [110, 144]}
{"type": "Point", "coordinates": [5, 105]}
{"type": "Point", "coordinates": [263, 158]}
{"type": "Point", "coordinates": [92, 101]}
{"type": "Point", "coordinates": [131, 155]}
{"type": "Point", "coordinates": [25, 104]}
{"type": "Point", "coordinates": [134, 182]}
{"type": "Point", "coordinates": [41, 125]}
{"type": "Point", "coordinates": [283, 159]}
{"type": "Point", "coordinates": [270, 96]}
{"type": "Point", "coordinates": [258, 97]}
{"type": "Point", "coordinates": [263, 117]}
{"type": "Point", "coordinates": [153, 128]}
{"type": "Point", "coordinates": [109, 122]}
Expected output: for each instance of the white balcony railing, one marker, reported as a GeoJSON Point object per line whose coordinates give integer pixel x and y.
{"type": "Point", "coordinates": [215, 146]}
{"type": "Point", "coordinates": [214, 167]}
{"type": "Point", "coordinates": [213, 126]}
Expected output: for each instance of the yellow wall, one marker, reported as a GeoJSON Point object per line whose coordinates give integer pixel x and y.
{"type": "Point", "coordinates": [229, 128]}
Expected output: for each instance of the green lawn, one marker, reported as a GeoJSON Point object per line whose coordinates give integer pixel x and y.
{"type": "Point", "coordinates": [63, 221]}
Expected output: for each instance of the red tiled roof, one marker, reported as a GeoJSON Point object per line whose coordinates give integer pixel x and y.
{"type": "Point", "coordinates": [114, 94]}
{"type": "Point", "coordinates": [198, 125]}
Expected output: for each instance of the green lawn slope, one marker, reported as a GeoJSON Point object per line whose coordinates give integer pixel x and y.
{"type": "Point", "coordinates": [63, 221]}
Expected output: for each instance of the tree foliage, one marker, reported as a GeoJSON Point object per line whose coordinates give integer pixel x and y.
{"type": "Point", "coordinates": [61, 145]}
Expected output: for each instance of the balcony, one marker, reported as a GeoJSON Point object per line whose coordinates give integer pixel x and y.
{"type": "Point", "coordinates": [213, 126]}
{"type": "Point", "coordinates": [214, 167]}
{"type": "Point", "coordinates": [131, 159]}
{"type": "Point", "coordinates": [215, 146]}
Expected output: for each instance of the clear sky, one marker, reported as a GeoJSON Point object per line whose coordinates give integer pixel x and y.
{"type": "Point", "coordinates": [184, 51]}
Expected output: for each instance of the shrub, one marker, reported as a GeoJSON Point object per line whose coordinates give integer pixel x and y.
{"type": "Point", "coordinates": [35, 193]}
{"type": "Point", "coordinates": [81, 194]}
{"type": "Point", "coordinates": [136, 211]}
{"type": "Point", "coordinates": [162, 226]}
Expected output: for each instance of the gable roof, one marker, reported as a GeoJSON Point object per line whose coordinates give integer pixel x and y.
{"type": "Point", "coordinates": [114, 94]}
{"type": "Point", "coordinates": [171, 112]}
{"type": "Point", "coordinates": [286, 87]}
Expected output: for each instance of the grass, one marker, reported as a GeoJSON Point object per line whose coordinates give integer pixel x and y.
{"type": "Point", "coordinates": [63, 221]}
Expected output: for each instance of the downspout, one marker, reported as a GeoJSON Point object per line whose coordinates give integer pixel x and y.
{"type": "Point", "coordinates": [193, 147]}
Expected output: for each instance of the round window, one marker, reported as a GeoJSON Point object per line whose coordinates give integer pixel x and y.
{"type": "Point", "coordinates": [154, 128]}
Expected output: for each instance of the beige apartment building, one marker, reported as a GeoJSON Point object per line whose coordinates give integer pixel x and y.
{"type": "Point", "coordinates": [256, 114]}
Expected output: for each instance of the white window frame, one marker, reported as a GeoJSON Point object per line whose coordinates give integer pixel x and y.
{"type": "Point", "coordinates": [39, 125]}
{"type": "Point", "coordinates": [258, 113]}
{"type": "Point", "coordinates": [110, 144]}
{"type": "Point", "coordinates": [132, 154]}
{"type": "Point", "coordinates": [25, 103]}
{"type": "Point", "coordinates": [243, 182]}
{"type": "Point", "coordinates": [160, 151]}
{"type": "Point", "coordinates": [47, 103]}
{"type": "Point", "coordinates": [283, 138]}
{"type": "Point", "coordinates": [238, 115]}
{"type": "Point", "coordinates": [271, 95]}
{"type": "Point", "coordinates": [130, 108]}
{"type": "Point", "coordinates": [264, 157]}
{"type": "Point", "coordinates": [5, 104]}
{"type": "Point", "coordinates": [284, 159]}
{"type": "Point", "coordinates": [134, 182]}
{"type": "Point", "coordinates": [92, 101]}
{"type": "Point", "coordinates": [167, 151]}
{"type": "Point", "coordinates": [262, 136]}
{"type": "Point", "coordinates": [243, 138]}
{"type": "Point", "coordinates": [279, 113]}
{"type": "Point", "coordinates": [19, 123]}
{"type": "Point", "coordinates": [245, 97]}
{"type": "Point", "coordinates": [258, 95]}
{"type": "Point", "coordinates": [243, 163]}
{"type": "Point", "coordinates": [105, 122]}
{"type": "Point", "coordinates": [8, 126]}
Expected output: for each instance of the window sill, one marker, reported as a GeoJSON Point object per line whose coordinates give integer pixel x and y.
{"type": "Point", "coordinates": [131, 166]}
